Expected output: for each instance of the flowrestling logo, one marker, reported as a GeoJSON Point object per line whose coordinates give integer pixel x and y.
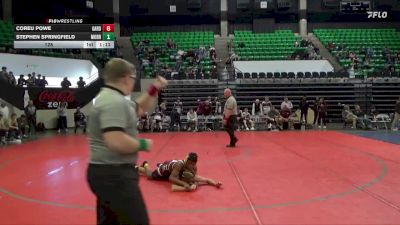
{"type": "Point", "coordinates": [377, 14]}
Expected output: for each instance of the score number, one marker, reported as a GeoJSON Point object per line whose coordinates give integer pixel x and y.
{"type": "Point", "coordinates": [108, 32]}
{"type": "Point", "coordinates": [108, 27]}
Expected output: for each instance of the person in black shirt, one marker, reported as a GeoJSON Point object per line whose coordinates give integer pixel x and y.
{"type": "Point", "coordinates": [43, 82]}
{"type": "Point", "coordinates": [80, 120]}
{"type": "Point", "coordinates": [144, 122]}
{"type": "Point", "coordinates": [175, 119]}
{"type": "Point", "coordinates": [11, 79]}
{"type": "Point", "coordinates": [65, 83]}
{"type": "Point", "coordinates": [81, 83]}
{"type": "Point", "coordinates": [38, 81]}
{"type": "Point", "coordinates": [304, 105]}
{"type": "Point", "coordinates": [21, 80]}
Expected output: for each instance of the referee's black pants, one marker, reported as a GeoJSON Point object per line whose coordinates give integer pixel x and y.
{"type": "Point", "coordinates": [230, 127]}
{"type": "Point", "coordinates": [119, 200]}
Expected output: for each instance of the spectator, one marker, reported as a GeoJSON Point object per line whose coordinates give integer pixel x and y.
{"type": "Point", "coordinates": [240, 119]}
{"type": "Point", "coordinates": [266, 105]}
{"type": "Point", "coordinates": [30, 113]}
{"type": "Point", "coordinates": [304, 105]}
{"type": "Point", "coordinates": [256, 108]}
{"type": "Point", "coordinates": [331, 46]}
{"type": "Point", "coordinates": [44, 83]}
{"type": "Point", "coordinates": [3, 129]}
{"type": "Point", "coordinates": [348, 115]}
{"type": "Point", "coordinates": [30, 82]}
{"type": "Point", "coordinates": [396, 118]}
{"type": "Point", "coordinates": [65, 83]}
{"type": "Point", "coordinates": [80, 120]}
{"type": "Point", "coordinates": [247, 119]}
{"type": "Point", "coordinates": [21, 80]}
{"type": "Point", "coordinates": [81, 83]}
{"type": "Point", "coordinates": [38, 81]}
{"type": "Point", "coordinates": [156, 121]}
{"type": "Point", "coordinates": [14, 131]}
{"type": "Point", "coordinates": [4, 110]}
{"type": "Point", "coordinates": [11, 79]}
{"type": "Point", "coordinates": [352, 55]}
{"type": "Point", "coordinates": [62, 117]}
{"type": "Point", "coordinates": [286, 103]}
{"type": "Point", "coordinates": [4, 74]}
{"type": "Point", "coordinates": [175, 119]}
{"type": "Point", "coordinates": [374, 112]}
{"type": "Point", "coordinates": [33, 79]}
{"type": "Point", "coordinates": [143, 124]}
{"type": "Point", "coordinates": [205, 109]}
{"type": "Point", "coordinates": [218, 106]}
{"type": "Point", "coordinates": [370, 52]}
{"type": "Point", "coordinates": [284, 118]}
{"type": "Point", "coordinates": [178, 106]}
{"type": "Point", "coordinates": [23, 125]}
{"type": "Point", "coordinates": [163, 107]}
{"type": "Point", "coordinates": [322, 112]}
{"type": "Point", "coordinates": [192, 120]}
{"type": "Point", "coordinates": [272, 117]}
{"type": "Point", "coordinates": [362, 118]}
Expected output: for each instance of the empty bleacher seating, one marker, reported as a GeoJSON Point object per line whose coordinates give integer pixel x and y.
{"type": "Point", "coordinates": [189, 92]}
{"type": "Point", "coordinates": [6, 34]}
{"type": "Point", "coordinates": [333, 93]}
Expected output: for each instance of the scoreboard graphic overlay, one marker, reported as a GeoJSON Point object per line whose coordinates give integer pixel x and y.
{"type": "Point", "coordinates": [64, 33]}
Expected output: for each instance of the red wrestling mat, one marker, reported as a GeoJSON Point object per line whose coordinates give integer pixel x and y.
{"type": "Point", "coordinates": [270, 178]}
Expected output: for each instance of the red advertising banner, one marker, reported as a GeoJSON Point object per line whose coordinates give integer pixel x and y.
{"type": "Point", "coordinates": [52, 98]}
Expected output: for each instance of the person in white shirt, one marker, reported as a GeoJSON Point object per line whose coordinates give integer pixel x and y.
{"type": "Point", "coordinates": [247, 119]}
{"type": "Point", "coordinates": [62, 117]}
{"type": "Point", "coordinates": [266, 106]}
{"type": "Point", "coordinates": [192, 120]}
{"type": "Point", "coordinates": [178, 106]}
{"type": "Point", "coordinates": [286, 103]}
{"type": "Point", "coordinates": [156, 122]}
{"type": "Point", "coordinates": [4, 110]}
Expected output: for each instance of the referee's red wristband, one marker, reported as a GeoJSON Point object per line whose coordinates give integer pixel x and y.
{"type": "Point", "coordinates": [153, 91]}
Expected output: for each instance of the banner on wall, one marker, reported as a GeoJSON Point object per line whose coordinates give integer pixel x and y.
{"type": "Point", "coordinates": [51, 99]}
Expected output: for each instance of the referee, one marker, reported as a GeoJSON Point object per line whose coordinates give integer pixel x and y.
{"type": "Point", "coordinates": [114, 145]}
{"type": "Point", "coordinates": [230, 119]}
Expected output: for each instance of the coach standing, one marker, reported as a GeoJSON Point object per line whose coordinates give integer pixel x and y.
{"type": "Point", "coordinates": [230, 112]}
{"type": "Point", "coordinates": [114, 145]}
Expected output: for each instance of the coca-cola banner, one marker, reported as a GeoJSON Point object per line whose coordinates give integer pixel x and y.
{"type": "Point", "coordinates": [49, 98]}
{"type": "Point", "coordinates": [52, 98]}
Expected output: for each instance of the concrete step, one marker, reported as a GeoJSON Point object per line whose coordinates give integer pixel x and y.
{"type": "Point", "coordinates": [324, 52]}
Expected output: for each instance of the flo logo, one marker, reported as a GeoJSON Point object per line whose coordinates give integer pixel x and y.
{"type": "Point", "coordinates": [375, 14]}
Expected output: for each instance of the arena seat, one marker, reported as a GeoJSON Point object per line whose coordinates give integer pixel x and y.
{"type": "Point", "coordinates": [265, 46]}
{"type": "Point", "coordinates": [184, 41]}
{"type": "Point", "coordinates": [356, 39]}
{"type": "Point", "coordinates": [6, 34]}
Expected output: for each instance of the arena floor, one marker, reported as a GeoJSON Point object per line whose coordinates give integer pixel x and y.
{"type": "Point", "coordinates": [312, 177]}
